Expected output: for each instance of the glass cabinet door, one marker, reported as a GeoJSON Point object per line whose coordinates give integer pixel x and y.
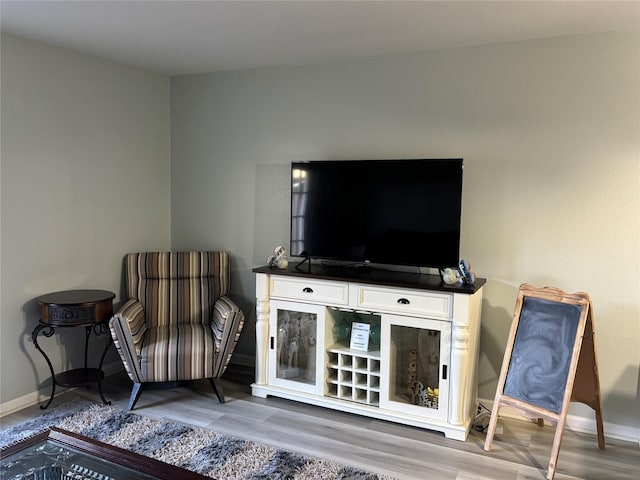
{"type": "Point", "coordinates": [295, 357]}
{"type": "Point", "coordinates": [416, 378]}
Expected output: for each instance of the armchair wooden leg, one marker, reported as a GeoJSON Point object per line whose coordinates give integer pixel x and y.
{"type": "Point", "coordinates": [216, 384]}
{"type": "Point", "coordinates": [135, 394]}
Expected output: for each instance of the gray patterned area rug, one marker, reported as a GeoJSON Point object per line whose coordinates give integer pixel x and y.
{"type": "Point", "coordinates": [200, 450]}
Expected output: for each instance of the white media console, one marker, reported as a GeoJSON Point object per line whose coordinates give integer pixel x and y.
{"type": "Point", "coordinates": [418, 365]}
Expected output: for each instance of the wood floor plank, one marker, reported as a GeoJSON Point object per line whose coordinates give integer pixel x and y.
{"type": "Point", "coordinates": [521, 452]}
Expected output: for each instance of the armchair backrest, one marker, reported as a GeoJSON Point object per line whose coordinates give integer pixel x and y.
{"type": "Point", "coordinates": [177, 287]}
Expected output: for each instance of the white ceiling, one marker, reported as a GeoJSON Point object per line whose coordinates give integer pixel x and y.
{"type": "Point", "coordinates": [183, 37]}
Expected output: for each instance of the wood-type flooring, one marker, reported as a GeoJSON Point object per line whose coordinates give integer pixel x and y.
{"type": "Point", "coordinates": [520, 452]}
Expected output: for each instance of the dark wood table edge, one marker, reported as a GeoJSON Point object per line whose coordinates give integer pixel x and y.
{"type": "Point", "coordinates": [98, 449]}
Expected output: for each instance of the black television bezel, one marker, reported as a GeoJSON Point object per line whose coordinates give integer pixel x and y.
{"type": "Point", "coordinates": [346, 261]}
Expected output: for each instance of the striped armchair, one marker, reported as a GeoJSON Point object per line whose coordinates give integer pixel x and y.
{"type": "Point", "coordinates": [178, 323]}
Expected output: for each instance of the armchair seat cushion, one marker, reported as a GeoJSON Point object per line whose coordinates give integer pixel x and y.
{"type": "Point", "coordinates": [178, 352]}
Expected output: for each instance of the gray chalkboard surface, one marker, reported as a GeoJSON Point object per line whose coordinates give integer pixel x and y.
{"type": "Point", "coordinates": [542, 351]}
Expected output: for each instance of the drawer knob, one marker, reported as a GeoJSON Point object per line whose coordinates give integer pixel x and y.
{"type": "Point", "coordinates": [403, 301]}
{"type": "Point", "coordinates": [307, 290]}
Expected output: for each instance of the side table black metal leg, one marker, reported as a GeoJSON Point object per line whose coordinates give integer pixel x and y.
{"type": "Point", "coordinates": [47, 331]}
{"type": "Point", "coordinates": [87, 334]}
{"type": "Point", "coordinates": [99, 330]}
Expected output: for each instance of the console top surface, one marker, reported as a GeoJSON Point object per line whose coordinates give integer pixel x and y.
{"type": "Point", "coordinates": [370, 275]}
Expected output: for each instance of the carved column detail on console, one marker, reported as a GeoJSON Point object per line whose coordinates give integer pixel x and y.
{"type": "Point", "coordinates": [459, 367]}
{"type": "Point", "coordinates": [465, 340]}
{"type": "Point", "coordinates": [262, 328]}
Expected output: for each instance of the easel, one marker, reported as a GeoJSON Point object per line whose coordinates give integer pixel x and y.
{"type": "Point", "coordinates": [582, 380]}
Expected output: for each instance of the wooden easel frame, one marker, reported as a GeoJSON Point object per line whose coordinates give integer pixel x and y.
{"type": "Point", "coordinates": [583, 384]}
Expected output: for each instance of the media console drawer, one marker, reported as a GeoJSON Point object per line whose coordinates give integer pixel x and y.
{"type": "Point", "coordinates": [326, 292]}
{"type": "Point", "coordinates": [405, 301]}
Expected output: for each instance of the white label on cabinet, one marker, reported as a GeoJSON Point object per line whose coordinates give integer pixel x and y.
{"type": "Point", "coordinates": [360, 336]}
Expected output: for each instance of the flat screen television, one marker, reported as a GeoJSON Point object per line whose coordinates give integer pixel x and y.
{"type": "Point", "coordinates": [395, 212]}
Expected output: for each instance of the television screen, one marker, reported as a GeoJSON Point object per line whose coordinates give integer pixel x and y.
{"type": "Point", "coordinates": [399, 212]}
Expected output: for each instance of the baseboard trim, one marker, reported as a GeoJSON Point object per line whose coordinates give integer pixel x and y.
{"type": "Point", "coordinates": [40, 396]}
{"type": "Point", "coordinates": [579, 424]}
{"type": "Point", "coordinates": [243, 360]}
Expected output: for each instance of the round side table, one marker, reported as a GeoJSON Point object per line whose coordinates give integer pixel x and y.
{"type": "Point", "coordinates": [90, 309]}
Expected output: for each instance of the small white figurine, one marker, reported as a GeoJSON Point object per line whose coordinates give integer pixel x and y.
{"type": "Point", "coordinates": [279, 258]}
{"type": "Point", "coordinates": [450, 276]}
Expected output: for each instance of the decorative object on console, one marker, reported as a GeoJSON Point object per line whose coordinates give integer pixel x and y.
{"type": "Point", "coordinates": [462, 274]}
{"type": "Point", "coordinates": [428, 341]}
{"type": "Point", "coordinates": [341, 331]}
{"type": "Point", "coordinates": [412, 371]}
{"type": "Point", "coordinates": [450, 276]}
{"type": "Point", "coordinates": [308, 337]}
{"type": "Point", "coordinates": [424, 397]}
{"type": "Point", "coordinates": [279, 258]}
{"type": "Point", "coordinates": [466, 274]}
{"type": "Point", "coordinates": [296, 345]}
{"type": "Point", "coordinates": [374, 336]}
{"type": "Point", "coordinates": [430, 362]}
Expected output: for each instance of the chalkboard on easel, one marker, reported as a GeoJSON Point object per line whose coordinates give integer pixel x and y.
{"type": "Point", "coordinates": [541, 355]}
{"type": "Point", "coordinates": [550, 351]}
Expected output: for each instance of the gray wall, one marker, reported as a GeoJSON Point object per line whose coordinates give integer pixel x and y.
{"type": "Point", "coordinates": [85, 179]}
{"type": "Point", "coordinates": [549, 131]}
